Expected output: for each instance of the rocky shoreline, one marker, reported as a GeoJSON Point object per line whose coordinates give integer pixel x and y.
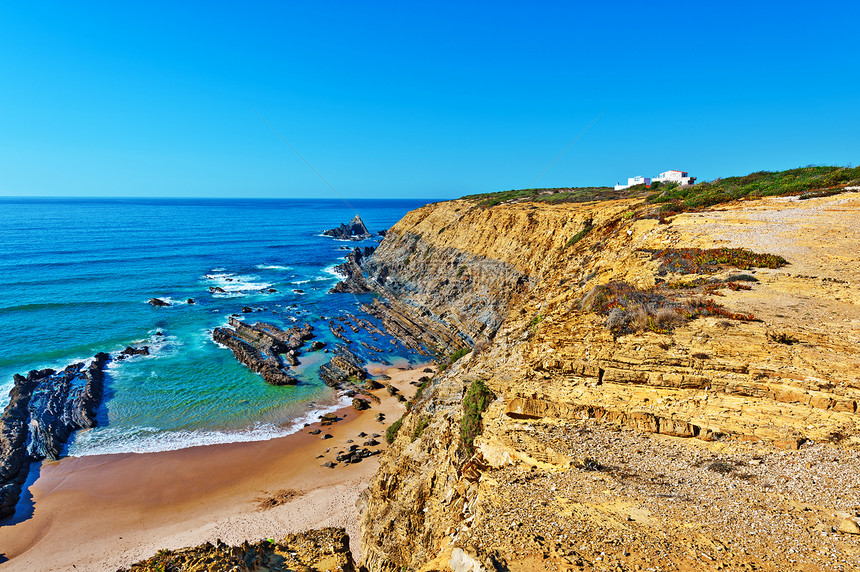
{"type": "Point", "coordinates": [264, 347]}
{"type": "Point", "coordinates": [45, 408]}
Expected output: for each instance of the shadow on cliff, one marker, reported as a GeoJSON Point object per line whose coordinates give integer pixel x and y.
{"type": "Point", "coordinates": [26, 507]}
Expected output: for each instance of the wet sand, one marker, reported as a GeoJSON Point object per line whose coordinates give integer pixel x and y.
{"type": "Point", "coordinates": [107, 511]}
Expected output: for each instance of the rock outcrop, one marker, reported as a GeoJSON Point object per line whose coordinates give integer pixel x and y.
{"type": "Point", "coordinates": [264, 347]}
{"type": "Point", "coordinates": [601, 448]}
{"type": "Point", "coordinates": [354, 230]}
{"type": "Point", "coordinates": [45, 407]}
{"type": "Point", "coordinates": [344, 366]}
{"type": "Point", "coordinates": [312, 551]}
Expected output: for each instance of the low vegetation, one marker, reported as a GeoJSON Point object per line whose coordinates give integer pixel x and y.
{"type": "Point", "coordinates": [708, 261]}
{"type": "Point", "coordinates": [662, 308]}
{"type": "Point", "coordinates": [478, 397]}
{"type": "Point", "coordinates": [806, 181]}
{"type": "Point", "coordinates": [558, 195]}
{"type": "Point", "coordinates": [453, 358]}
{"type": "Point", "coordinates": [392, 430]}
{"type": "Point", "coordinates": [589, 225]}
{"type": "Point", "coordinates": [422, 424]}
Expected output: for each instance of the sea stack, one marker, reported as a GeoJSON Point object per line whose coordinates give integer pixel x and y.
{"type": "Point", "coordinates": [354, 230]}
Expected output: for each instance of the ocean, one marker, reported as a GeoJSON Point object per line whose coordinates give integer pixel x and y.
{"type": "Point", "coordinates": [76, 276]}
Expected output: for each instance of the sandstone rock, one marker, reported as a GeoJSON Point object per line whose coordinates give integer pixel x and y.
{"type": "Point", "coordinates": [372, 385]}
{"type": "Point", "coordinates": [360, 404]}
{"type": "Point", "coordinates": [850, 525]}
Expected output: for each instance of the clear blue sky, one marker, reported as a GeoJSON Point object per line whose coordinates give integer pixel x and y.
{"type": "Point", "coordinates": [416, 99]}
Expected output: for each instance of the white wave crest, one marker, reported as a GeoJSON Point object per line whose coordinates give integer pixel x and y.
{"type": "Point", "coordinates": [112, 440]}
{"type": "Point", "coordinates": [273, 267]}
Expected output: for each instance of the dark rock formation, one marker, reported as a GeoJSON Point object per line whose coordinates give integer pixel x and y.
{"type": "Point", "coordinates": [216, 290]}
{"type": "Point", "coordinates": [352, 270]}
{"type": "Point", "coordinates": [261, 346]}
{"type": "Point", "coordinates": [317, 345]}
{"type": "Point", "coordinates": [355, 230]}
{"type": "Point", "coordinates": [360, 404]}
{"type": "Point", "coordinates": [372, 384]}
{"type": "Point", "coordinates": [338, 332]}
{"type": "Point", "coordinates": [141, 351]}
{"type": "Point", "coordinates": [343, 367]}
{"type": "Point", "coordinates": [44, 408]}
{"type": "Point", "coordinates": [158, 302]}
{"type": "Point", "coordinates": [190, 301]}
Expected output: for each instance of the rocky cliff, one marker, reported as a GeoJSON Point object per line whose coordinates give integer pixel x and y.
{"type": "Point", "coordinates": [659, 400]}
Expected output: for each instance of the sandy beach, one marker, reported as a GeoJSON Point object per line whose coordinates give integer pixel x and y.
{"type": "Point", "coordinates": [109, 511]}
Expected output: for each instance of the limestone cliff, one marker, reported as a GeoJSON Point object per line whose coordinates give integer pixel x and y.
{"type": "Point", "coordinates": [726, 439]}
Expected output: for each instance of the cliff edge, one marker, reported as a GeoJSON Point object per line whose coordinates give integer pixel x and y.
{"type": "Point", "coordinates": [641, 392]}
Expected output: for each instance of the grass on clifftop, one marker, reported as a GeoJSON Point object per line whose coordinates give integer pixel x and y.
{"type": "Point", "coordinates": [553, 196]}
{"type": "Point", "coordinates": [807, 182]}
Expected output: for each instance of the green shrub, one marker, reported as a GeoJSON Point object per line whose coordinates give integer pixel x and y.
{"type": "Point", "coordinates": [589, 226]}
{"type": "Point", "coordinates": [391, 432]}
{"type": "Point", "coordinates": [422, 424]}
{"type": "Point", "coordinates": [478, 397]}
{"type": "Point", "coordinates": [454, 357]}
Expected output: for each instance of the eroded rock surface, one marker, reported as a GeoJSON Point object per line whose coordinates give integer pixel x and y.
{"type": "Point", "coordinates": [312, 551]}
{"type": "Point", "coordinates": [264, 347]}
{"type": "Point", "coordinates": [45, 407]}
{"type": "Point", "coordinates": [714, 444]}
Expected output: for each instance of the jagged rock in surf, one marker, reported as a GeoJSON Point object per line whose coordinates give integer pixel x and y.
{"type": "Point", "coordinates": [45, 407]}
{"type": "Point", "coordinates": [354, 230]}
{"type": "Point", "coordinates": [353, 274]}
{"type": "Point", "coordinates": [264, 347]}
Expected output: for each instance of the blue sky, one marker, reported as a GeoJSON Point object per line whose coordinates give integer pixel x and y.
{"type": "Point", "coordinates": [416, 99]}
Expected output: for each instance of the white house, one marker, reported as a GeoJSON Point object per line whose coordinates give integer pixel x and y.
{"type": "Point", "coordinates": [676, 177]}
{"type": "Point", "coordinates": [673, 176]}
{"type": "Point", "coordinates": [639, 180]}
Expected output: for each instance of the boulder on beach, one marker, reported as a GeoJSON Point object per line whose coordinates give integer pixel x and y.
{"type": "Point", "coordinates": [360, 404]}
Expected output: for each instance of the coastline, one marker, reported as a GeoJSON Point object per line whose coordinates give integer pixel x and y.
{"type": "Point", "coordinates": [108, 511]}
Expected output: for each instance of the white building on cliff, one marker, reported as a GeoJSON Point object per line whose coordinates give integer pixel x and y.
{"type": "Point", "coordinates": [676, 177]}
{"type": "Point", "coordinates": [673, 176]}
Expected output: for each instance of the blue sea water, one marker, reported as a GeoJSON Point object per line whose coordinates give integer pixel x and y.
{"type": "Point", "coordinates": [76, 275]}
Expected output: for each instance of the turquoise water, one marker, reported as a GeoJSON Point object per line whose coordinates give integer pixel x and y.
{"type": "Point", "coordinates": [76, 274]}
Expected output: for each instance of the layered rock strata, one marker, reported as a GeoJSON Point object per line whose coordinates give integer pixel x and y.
{"type": "Point", "coordinates": [45, 407]}
{"type": "Point", "coordinates": [264, 347]}
{"type": "Point", "coordinates": [345, 366]}
{"type": "Point", "coordinates": [312, 551]}
{"type": "Point", "coordinates": [599, 447]}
